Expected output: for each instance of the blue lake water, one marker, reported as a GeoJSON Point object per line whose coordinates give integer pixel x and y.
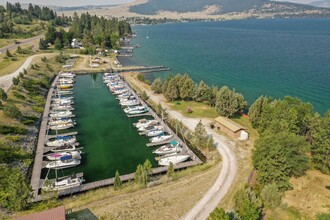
{"type": "Point", "coordinates": [276, 57]}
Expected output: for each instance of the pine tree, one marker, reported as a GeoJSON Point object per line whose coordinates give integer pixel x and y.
{"type": "Point", "coordinates": [57, 44]}
{"type": "Point", "coordinates": [138, 175]}
{"type": "Point", "coordinates": [117, 182]}
{"type": "Point", "coordinates": [271, 196]}
{"type": "Point", "coordinates": [170, 171]}
{"type": "Point", "coordinates": [43, 44]}
{"type": "Point", "coordinates": [3, 95]}
{"type": "Point", "coordinates": [229, 102]}
{"type": "Point", "coordinates": [144, 96]}
{"type": "Point", "coordinates": [200, 136]}
{"type": "Point", "coordinates": [8, 54]}
{"type": "Point", "coordinates": [156, 86]}
{"type": "Point", "coordinates": [201, 90]}
{"type": "Point", "coordinates": [187, 88]}
{"type": "Point", "coordinates": [172, 92]}
{"type": "Point", "coordinates": [247, 204]}
{"type": "Point", "coordinates": [256, 109]}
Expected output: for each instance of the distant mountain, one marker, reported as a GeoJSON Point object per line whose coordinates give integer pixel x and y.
{"type": "Point", "coordinates": [221, 7]}
{"type": "Point", "coordinates": [322, 3]}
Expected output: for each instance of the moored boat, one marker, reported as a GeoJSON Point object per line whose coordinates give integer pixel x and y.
{"type": "Point", "coordinates": [61, 141]}
{"type": "Point", "coordinates": [59, 155]}
{"type": "Point", "coordinates": [65, 162]}
{"type": "Point", "coordinates": [145, 122]}
{"type": "Point", "coordinates": [172, 147]}
{"type": "Point", "coordinates": [161, 138]}
{"type": "Point", "coordinates": [66, 147]}
{"type": "Point", "coordinates": [63, 183]}
{"type": "Point", "coordinates": [154, 133]}
{"type": "Point", "coordinates": [173, 159]}
{"type": "Point", "coordinates": [61, 126]}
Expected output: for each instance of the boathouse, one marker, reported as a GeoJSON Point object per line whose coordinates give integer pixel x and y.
{"type": "Point", "coordinates": [57, 213]}
{"type": "Point", "coordinates": [231, 128]}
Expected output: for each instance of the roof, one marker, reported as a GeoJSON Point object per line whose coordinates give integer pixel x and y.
{"type": "Point", "coordinates": [57, 213]}
{"type": "Point", "coordinates": [230, 124]}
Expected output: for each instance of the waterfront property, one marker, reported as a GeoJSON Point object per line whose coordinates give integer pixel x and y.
{"type": "Point", "coordinates": [231, 128]}
{"type": "Point", "coordinates": [107, 136]}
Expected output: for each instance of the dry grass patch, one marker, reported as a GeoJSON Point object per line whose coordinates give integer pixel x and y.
{"type": "Point", "coordinates": [311, 193]}
{"type": "Point", "coordinates": [166, 201]}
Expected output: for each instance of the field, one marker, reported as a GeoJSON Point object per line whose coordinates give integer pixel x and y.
{"type": "Point", "coordinates": [199, 110]}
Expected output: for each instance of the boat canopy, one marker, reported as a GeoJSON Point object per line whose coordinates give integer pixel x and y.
{"type": "Point", "coordinates": [67, 157]}
{"type": "Point", "coordinates": [174, 142]}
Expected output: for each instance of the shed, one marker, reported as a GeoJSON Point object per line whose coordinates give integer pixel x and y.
{"type": "Point", "coordinates": [230, 127]}
{"type": "Point", "coordinates": [57, 213]}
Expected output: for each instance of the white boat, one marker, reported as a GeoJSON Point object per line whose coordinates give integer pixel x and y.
{"type": "Point", "coordinates": [61, 114]}
{"type": "Point", "coordinates": [119, 91]}
{"type": "Point", "coordinates": [136, 112]}
{"type": "Point", "coordinates": [173, 159]}
{"type": "Point", "coordinates": [170, 148]}
{"type": "Point", "coordinates": [150, 127]}
{"type": "Point", "coordinates": [154, 133]}
{"type": "Point", "coordinates": [61, 141]}
{"type": "Point", "coordinates": [62, 101]}
{"type": "Point", "coordinates": [161, 138]}
{"type": "Point", "coordinates": [64, 183]}
{"type": "Point", "coordinates": [64, 92]}
{"type": "Point", "coordinates": [130, 102]}
{"type": "Point", "coordinates": [134, 108]}
{"type": "Point", "coordinates": [61, 108]}
{"type": "Point", "coordinates": [61, 121]}
{"type": "Point", "coordinates": [65, 163]}
{"type": "Point", "coordinates": [59, 155]}
{"type": "Point", "coordinates": [66, 147]}
{"type": "Point", "coordinates": [61, 126]}
{"type": "Point", "coordinates": [144, 123]}
{"type": "Point", "coordinates": [67, 75]}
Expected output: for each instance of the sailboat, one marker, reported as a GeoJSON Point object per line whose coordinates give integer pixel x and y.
{"type": "Point", "coordinates": [173, 159]}
{"type": "Point", "coordinates": [147, 35]}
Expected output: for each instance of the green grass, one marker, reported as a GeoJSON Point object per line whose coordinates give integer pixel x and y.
{"type": "Point", "coordinates": [199, 110]}
{"type": "Point", "coordinates": [5, 42]}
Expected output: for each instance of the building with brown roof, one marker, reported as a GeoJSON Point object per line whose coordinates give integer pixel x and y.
{"type": "Point", "coordinates": [57, 213]}
{"type": "Point", "coordinates": [231, 128]}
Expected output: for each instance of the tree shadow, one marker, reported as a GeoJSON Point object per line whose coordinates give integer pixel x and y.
{"type": "Point", "coordinates": [84, 214]}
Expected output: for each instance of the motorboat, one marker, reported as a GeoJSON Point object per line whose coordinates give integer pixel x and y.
{"type": "Point", "coordinates": [160, 138]}
{"type": "Point", "coordinates": [61, 126]}
{"type": "Point", "coordinates": [145, 122]}
{"type": "Point", "coordinates": [61, 121]}
{"type": "Point", "coordinates": [63, 183]}
{"type": "Point", "coordinates": [67, 75]}
{"type": "Point", "coordinates": [130, 102]}
{"type": "Point", "coordinates": [173, 159]}
{"type": "Point", "coordinates": [150, 128]}
{"type": "Point", "coordinates": [141, 111]}
{"type": "Point", "coordinates": [134, 108]}
{"type": "Point", "coordinates": [63, 114]}
{"type": "Point", "coordinates": [154, 133]}
{"type": "Point", "coordinates": [66, 147]}
{"type": "Point", "coordinates": [170, 148]}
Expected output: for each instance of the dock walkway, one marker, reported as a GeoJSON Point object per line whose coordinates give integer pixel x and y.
{"type": "Point", "coordinates": [38, 161]}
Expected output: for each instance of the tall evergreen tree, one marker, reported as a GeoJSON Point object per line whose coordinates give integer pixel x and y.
{"type": "Point", "coordinates": [187, 88]}
{"type": "Point", "coordinates": [228, 102]}
{"type": "Point", "coordinates": [256, 109]}
{"type": "Point", "coordinates": [200, 136]}
{"type": "Point", "coordinates": [247, 204]}
{"type": "Point", "coordinates": [156, 86]}
{"type": "Point", "coordinates": [117, 182]}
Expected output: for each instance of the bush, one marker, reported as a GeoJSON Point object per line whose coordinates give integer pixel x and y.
{"type": "Point", "coordinates": [3, 95]}
{"type": "Point", "coordinates": [8, 129]}
{"type": "Point", "coordinates": [38, 109]}
{"type": "Point", "coordinates": [11, 111]}
{"type": "Point", "coordinates": [18, 95]}
{"type": "Point", "coordinates": [15, 80]}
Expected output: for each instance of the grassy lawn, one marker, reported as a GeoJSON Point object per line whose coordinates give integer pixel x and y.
{"type": "Point", "coordinates": [199, 110]}
{"type": "Point", "coordinates": [5, 42]}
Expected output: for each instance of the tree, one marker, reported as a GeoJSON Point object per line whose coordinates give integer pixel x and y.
{"type": "Point", "coordinates": [228, 102]}
{"type": "Point", "coordinates": [200, 136]}
{"type": "Point", "coordinates": [277, 157]}
{"type": "Point", "coordinates": [210, 143]}
{"type": "Point", "coordinates": [247, 204]}
{"type": "Point", "coordinates": [271, 196]}
{"type": "Point", "coordinates": [256, 109]}
{"type": "Point", "coordinates": [201, 90]}
{"type": "Point", "coordinates": [139, 175]}
{"type": "Point", "coordinates": [170, 171]}
{"type": "Point", "coordinates": [15, 80]}
{"type": "Point", "coordinates": [43, 44]}
{"type": "Point", "coordinates": [8, 54]}
{"type": "Point", "coordinates": [19, 50]}
{"type": "Point", "coordinates": [171, 92]}
{"type": "Point", "coordinates": [3, 95]}
{"type": "Point", "coordinates": [117, 182]}
{"type": "Point", "coordinates": [144, 96]}
{"type": "Point", "coordinates": [147, 166]}
{"type": "Point", "coordinates": [219, 214]}
{"type": "Point", "coordinates": [50, 35]}
{"type": "Point", "coordinates": [11, 111]}
{"type": "Point", "coordinates": [320, 144]}
{"type": "Point", "coordinates": [57, 44]}
{"type": "Point", "coordinates": [187, 88]}
{"type": "Point", "coordinates": [156, 86]}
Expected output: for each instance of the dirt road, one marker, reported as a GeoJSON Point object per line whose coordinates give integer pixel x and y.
{"type": "Point", "coordinates": [7, 81]}
{"type": "Point", "coordinates": [29, 41]}
{"type": "Point", "coordinates": [229, 165]}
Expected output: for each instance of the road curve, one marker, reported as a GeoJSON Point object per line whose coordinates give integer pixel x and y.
{"type": "Point", "coordinates": [23, 42]}
{"type": "Point", "coordinates": [6, 81]}
{"type": "Point", "coordinates": [228, 170]}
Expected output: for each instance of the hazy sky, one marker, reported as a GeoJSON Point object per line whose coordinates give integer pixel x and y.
{"type": "Point", "coordinates": [99, 2]}
{"type": "Point", "coordinates": [69, 2]}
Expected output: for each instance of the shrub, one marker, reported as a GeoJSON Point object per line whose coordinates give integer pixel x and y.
{"type": "Point", "coordinates": [15, 80]}
{"type": "Point", "coordinates": [3, 95]}
{"type": "Point", "coordinates": [9, 129]}
{"type": "Point", "coordinates": [11, 111]}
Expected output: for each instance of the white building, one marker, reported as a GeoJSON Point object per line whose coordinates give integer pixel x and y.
{"type": "Point", "coordinates": [74, 43]}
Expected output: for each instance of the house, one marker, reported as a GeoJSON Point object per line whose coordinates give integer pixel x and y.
{"type": "Point", "coordinates": [57, 213]}
{"type": "Point", "coordinates": [231, 128]}
{"type": "Point", "coordinates": [74, 43]}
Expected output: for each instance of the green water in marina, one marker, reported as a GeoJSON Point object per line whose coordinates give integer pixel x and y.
{"type": "Point", "coordinates": [110, 141]}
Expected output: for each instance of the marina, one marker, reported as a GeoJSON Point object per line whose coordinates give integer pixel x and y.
{"type": "Point", "coordinates": [115, 143]}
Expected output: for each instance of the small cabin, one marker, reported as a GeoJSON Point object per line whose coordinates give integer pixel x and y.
{"type": "Point", "coordinates": [231, 128]}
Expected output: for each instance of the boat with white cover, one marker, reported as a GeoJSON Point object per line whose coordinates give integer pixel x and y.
{"type": "Point", "coordinates": [154, 133]}
{"type": "Point", "coordinates": [61, 114]}
{"type": "Point", "coordinates": [59, 155]}
{"type": "Point", "coordinates": [61, 126]}
{"type": "Point", "coordinates": [145, 122]}
{"type": "Point", "coordinates": [65, 162]}
{"type": "Point", "coordinates": [61, 141]}
{"type": "Point", "coordinates": [173, 159]}
{"type": "Point", "coordinates": [63, 183]}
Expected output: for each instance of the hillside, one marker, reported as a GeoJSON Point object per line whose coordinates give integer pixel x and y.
{"type": "Point", "coordinates": [221, 7]}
